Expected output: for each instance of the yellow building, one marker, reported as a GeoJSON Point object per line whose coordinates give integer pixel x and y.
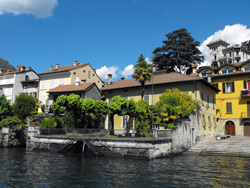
{"type": "Point", "coordinates": [233, 101]}
{"type": "Point", "coordinates": [65, 75]}
{"type": "Point", "coordinates": [197, 87]}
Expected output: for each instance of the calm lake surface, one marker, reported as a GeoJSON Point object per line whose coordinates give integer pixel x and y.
{"type": "Point", "coordinates": [20, 168]}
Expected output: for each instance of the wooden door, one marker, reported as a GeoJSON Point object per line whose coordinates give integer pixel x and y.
{"type": "Point", "coordinates": [247, 129]}
{"type": "Point", "coordinates": [230, 128]}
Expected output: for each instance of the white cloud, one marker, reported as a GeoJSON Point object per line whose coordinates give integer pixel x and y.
{"type": "Point", "coordinates": [39, 8]}
{"type": "Point", "coordinates": [232, 34]}
{"type": "Point", "coordinates": [128, 71]}
{"type": "Point", "coordinates": [104, 71]}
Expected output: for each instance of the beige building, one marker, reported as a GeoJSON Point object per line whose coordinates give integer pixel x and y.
{"type": "Point", "coordinates": [197, 87]}
{"type": "Point", "coordinates": [65, 75]}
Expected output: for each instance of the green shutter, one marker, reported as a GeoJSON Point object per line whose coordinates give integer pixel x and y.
{"type": "Point", "coordinates": [245, 84]}
{"type": "Point", "coordinates": [232, 87]}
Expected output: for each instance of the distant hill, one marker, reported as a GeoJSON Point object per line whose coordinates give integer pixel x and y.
{"type": "Point", "coordinates": [6, 66]}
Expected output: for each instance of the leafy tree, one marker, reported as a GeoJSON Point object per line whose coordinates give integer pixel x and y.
{"type": "Point", "coordinates": [117, 105]}
{"type": "Point", "coordinates": [5, 107]}
{"type": "Point", "coordinates": [51, 122]}
{"type": "Point", "coordinates": [173, 105]}
{"type": "Point", "coordinates": [179, 52]}
{"type": "Point", "coordinates": [13, 122]}
{"type": "Point", "coordinates": [25, 105]}
{"type": "Point", "coordinates": [71, 104]}
{"type": "Point", "coordinates": [143, 72]}
{"type": "Point", "coordinates": [101, 109]}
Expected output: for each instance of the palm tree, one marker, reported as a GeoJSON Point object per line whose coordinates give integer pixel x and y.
{"type": "Point", "coordinates": [143, 72]}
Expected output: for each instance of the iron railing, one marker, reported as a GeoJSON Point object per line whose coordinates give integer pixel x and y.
{"type": "Point", "coordinates": [118, 133]}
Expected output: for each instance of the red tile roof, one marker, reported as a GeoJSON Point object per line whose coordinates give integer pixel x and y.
{"type": "Point", "coordinates": [71, 88]}
{"type": "Point", "coordinates": [162, 78]}
{"type": "Point", "coordinates": [64, 68]}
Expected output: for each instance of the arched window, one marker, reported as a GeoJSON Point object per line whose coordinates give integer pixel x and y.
{"type": "Point", "coordinates": [205, 73]}
{"type": "Point", "coordinates": [227, 70]}
{"type": "Point", "coordinates": [247, 68]}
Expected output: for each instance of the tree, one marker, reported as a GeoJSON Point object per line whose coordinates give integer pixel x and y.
{"type": "Point", "coordinates": [116, 106]}
{"type": "Point", "coordinates": [25, 105]}
{"type": "Point", "coordinates": [143, 72]}
{"type": "Point", "coordinates": [173, 105]}
{"type": "Point", "coordinates": [5, 107]}
{"type": "Point", "coordinates": [179, 52]}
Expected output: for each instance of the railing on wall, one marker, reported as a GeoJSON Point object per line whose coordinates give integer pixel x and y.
{"type": "Point", "coordinates": [118, 133]}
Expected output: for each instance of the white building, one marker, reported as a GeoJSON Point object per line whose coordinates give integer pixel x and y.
{"type": "Point", "coordinates": [221, 53]}
{"type": "Point", "coordinates": [12, 83]}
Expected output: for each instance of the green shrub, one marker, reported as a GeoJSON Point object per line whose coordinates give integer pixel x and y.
{"type": "Point", "coordinates": [25, 105]}
{"type": "Point", "coordinates": [43, 108]}
{"type": "Point", "coordinates": [51, 122]}
{"type": "Point", "coordinates": [13, 122]}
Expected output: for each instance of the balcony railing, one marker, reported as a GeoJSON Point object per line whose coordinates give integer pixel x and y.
{"type": "Point", "coordinates": [245, 115]}
{"type": "Point", "coordinates": [245, 93]}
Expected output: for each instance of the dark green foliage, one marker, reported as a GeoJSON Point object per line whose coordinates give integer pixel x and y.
{"type": "Point", "coordinates": [143, 72]}
{"type": "Point", "coordinates": [51, 122]}
{"type": "Point", "coordinates": [5, 107]}
{"type": "Point", "coordinates": [180, 51]}
{"type": "Point", "coordinates": [79, 112]}
{"type": "Point", "coordinates": [13, 122]}
{"type": "Point", "coordinates": [144, 119]}
{"type": "Point", "coordinates": [43, 108]}
{"type": "Point", "coordinates": [24, 106]}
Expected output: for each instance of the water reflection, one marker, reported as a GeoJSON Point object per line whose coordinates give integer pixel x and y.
{"type": "Point", "coordinates": [20, 168]}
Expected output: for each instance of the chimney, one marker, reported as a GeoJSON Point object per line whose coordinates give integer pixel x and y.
{"type": "Point", "coordinates": [29, 68]}
{"type": "Point", "coordinates": [109, 79]}
{"type": "Point", "coordinates": [51, 67]}
{"type": "Point", "coordinates": [18, 68]}
{"type": "Point", "coordinates": [154, 68]}
{"type": "Point", "coordinates": [75, 62]}
{"type": "Point", "coordinates": [57, 65]}
{"type": "Point", "coordinates": [94, 70]}
{"type": "Point", "coordinates": [8, 71]}
{"type": "Point", "coordinates": [1, 70]}
{"type": "Point", "coordinates": [122, 78]}
{"type": "Point", "coordinates": [77, 82]}
{"type": "Point", "coordinates": [194, 67]}
{"type": "Point", "coordinates": [22, 68]}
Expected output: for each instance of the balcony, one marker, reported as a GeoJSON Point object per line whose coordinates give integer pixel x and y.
{"type": "Point", "coordinates": [245, 93]}
{"type": "Point", "coordinates": [245, 115]}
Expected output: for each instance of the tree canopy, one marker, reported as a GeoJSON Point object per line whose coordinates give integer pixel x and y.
{"type": "Point", "coordinates": [25, 105]}
{"type": "Point", "coordinates": [143, 72]}
{"type": "Point", "coordinates": [179, 52]}
{"type": "Point", "coordinates": [5, 107]}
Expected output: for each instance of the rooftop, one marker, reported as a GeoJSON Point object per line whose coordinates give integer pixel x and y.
{"type": "Point", "coordinates": [71, 88]}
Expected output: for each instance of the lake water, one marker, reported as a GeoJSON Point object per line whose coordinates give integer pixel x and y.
{"type": "Point", "coordinates": [20, 168]}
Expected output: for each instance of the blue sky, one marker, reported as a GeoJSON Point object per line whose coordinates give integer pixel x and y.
{"type": "Point", "coordinates": [110, 34]}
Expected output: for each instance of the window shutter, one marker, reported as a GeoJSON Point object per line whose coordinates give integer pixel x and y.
{"type": "Point", "coordinates": [223, 87]}
{"type": "Point", "coordinates": [245, 84]}
{"type": "Point", "coordinates": [229, 107]}
{"type": "Point", "coordinates": [232, 87]}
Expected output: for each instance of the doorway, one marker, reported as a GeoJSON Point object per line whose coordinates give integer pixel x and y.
{"type": "Point", "coordinates": [247, 129]}
{"type": "Point", "coordinates": [229, 128]}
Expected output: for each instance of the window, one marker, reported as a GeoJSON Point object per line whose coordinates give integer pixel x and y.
{"type": "Point", "coordinates": [215, 57]}
{"type": "Point", "coordinates": [124, 121]}
{"type": "Point", "coordinates": [209, 121]}
{"type": "Point", "coordinates": [42, 99]}
{"type": "Point", "coordinates": [204, 121]}
{"type": "Point", "coordinates": [202, 102]}
{"type": "Point", "coordinates": [43, 82]}
{"type": "Point", "coordinates": [1, 91]}
{"type": "Point", "coordinates": [146, 98]}
{"type": "Point", "coordinates": [89, 74]}
{"type": "Point", "coordinates": [205, 73]}
{"type": "Point", "coordinates": [61, 81]}
{"type": "Point", "coordinates": [229, 108]}
{"type": "Point", "coordinates": [213, 103]}
{"type": "Point", "coordinates": [227, 70]}
{"type": "Point", "coordinates": [52, 83]}
{"type": "Point", "coordinates": [207, 101]}
{"type": "Point", "coordinates": [228, 87]}
{"type": "Point", "coordinates": [247, 68]}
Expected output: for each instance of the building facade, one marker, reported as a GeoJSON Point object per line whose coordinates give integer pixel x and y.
{"type": "Point", "coordinates": [222, 53]}
{"type": "Point", "coordinates": [12, 83]}
{"type": "Point", "coordinates": [196, 87]}
{"type": "Point", "coordinates": [65, 75]}
{"type": "Point", "coordinates": [233, 100]}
